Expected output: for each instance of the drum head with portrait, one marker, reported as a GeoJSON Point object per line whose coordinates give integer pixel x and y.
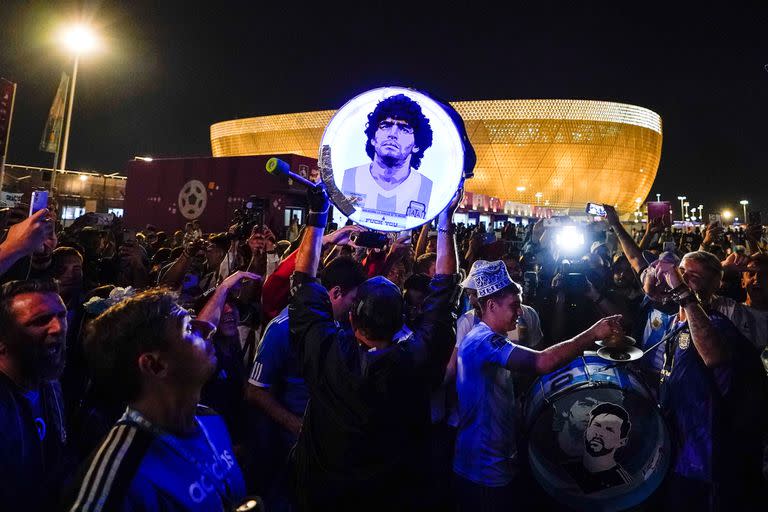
{"type": "Point", "coordinates": [392, 158]}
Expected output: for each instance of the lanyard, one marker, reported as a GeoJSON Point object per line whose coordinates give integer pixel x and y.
{"type": "Point", "coordinates": [220, 484]}
{"type": "Point", "coordinates": [671, 347]}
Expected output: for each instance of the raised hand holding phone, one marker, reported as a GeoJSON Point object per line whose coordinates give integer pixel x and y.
{"type": "Point", "coordinates": [28, 235]}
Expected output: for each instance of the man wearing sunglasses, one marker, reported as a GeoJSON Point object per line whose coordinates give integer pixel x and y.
{"type": "Point", "coordinates": [397, 135]}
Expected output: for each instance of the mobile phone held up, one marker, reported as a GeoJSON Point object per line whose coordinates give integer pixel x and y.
{"type": "Point", "coordinates": [595, 209]}
{"type": "Point", "coordinates": [371, 239]}
{"type": "Point", "coordinates": [38, 202]}
{"type": "Point", "coordinates": [660, 210]}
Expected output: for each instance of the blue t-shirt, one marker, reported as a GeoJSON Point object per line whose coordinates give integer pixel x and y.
{"type": "Point", "coordinates": [138, 470]}
{"type": "Point", "coordinates": [486, 448]}
{"type": "Point", "coordinates": [276, 366]}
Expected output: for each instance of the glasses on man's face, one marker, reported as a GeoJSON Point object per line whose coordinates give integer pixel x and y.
{"type": "Point", "coordinates": [403, 126]}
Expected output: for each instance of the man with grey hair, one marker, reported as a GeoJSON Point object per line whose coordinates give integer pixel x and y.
{"type": "Point", "coordinates": [707, 271]}
{"type": "Point", "coordinates": [713, 391]}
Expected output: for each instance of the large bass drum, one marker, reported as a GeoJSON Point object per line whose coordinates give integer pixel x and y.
{"type": "Point", "coordinates": [596, 438]}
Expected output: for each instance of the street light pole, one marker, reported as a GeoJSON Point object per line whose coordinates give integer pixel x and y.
{"type": "Point", "coordinates": [68, 122]}
{"type": "Point", "coordinates": [78, 39]}
{"type": "Point", "coordinates": [682, 208]}
{"type": "Point", "coordinates": [744, 204]}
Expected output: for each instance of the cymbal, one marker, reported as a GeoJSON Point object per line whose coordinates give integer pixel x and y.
{"type": "Point", "coordinates": [625, 340]}
{"type": "Point", "coordinates": [622, 354]}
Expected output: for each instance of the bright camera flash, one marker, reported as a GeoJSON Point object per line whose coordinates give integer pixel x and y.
{"type": "Point", "coordinates": [569, 237]}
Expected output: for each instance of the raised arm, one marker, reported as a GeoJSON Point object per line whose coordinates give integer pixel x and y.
{"type": "Point", "coordinates": [438, 320]}
{"type": "Point", "coordinates": [311, 245]}
{"type": "Point", "coordinates": [447, 257]}
{"type": "Point", "coordinates": [628, 245]}
{"type": "Point", "coordinates": [552, 358]}
{"type": "Point", "coordinates": [653, 228]}
{"type": "Point", "coordinates": [24, 238]}
{"type": "Point", "coordinates": [710, 346]}
{"type": "Point", "coordinates": [421, 244]}
{"type": "Point", "coordinates": [174, 276]}
{"type": "Point", "coordinates": [211, 312]}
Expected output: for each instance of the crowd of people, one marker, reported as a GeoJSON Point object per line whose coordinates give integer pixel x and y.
{"type": "Point", "coordinates": [197, 371]}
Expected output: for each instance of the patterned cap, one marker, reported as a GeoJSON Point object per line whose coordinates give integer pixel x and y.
{"type": "Point", "coordinates": [487, 277]}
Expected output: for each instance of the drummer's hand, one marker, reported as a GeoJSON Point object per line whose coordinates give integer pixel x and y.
{"type": "Point", "coordinates": [606, 327]}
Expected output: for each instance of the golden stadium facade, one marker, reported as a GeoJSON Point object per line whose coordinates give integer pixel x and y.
{"type": "Point", "coordinates": [558, 153]}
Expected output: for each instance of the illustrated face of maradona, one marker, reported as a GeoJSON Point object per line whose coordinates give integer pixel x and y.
{"type": "Point", "coordinates": [393, 142]}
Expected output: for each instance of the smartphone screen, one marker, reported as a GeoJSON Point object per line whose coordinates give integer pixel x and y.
{"type": "Point", "coordinates": [38, 202]}
{"type": "Point", "coordinates": [714, 218]}
{"type": "Point", "coordinates": [660, 209]}
{"type": "Point", "coordinates": [595, 209]}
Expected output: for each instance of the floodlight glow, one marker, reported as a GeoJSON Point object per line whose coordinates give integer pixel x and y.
{"type": "Point", "coordinates": [727, 214]}
{"type": "Point", "coordinates": [83, 177]}
{"type": "Point", "coordinates": [520, 188]}
{"type": "Point", "coordinates": [569, 238]}
{"type": "Point", "coordinates": [79, 39]}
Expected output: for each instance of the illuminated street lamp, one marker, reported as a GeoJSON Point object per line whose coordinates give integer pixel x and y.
{"type": "Point", "coordinates": [744, 204]}
{"type": "Point", "coordinates": [79, 40]}
{"type": "Point", "coordinates": [682, 208]}
{"type": "Point", "coordinates": [727, 214]}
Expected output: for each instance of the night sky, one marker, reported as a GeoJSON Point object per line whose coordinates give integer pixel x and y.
{"type": "Point", "coordinates": [171, 69]}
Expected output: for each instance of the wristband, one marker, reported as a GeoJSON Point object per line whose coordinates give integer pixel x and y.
{"type": "Point", "coordinates": [317, 219]}
{"type": "Point", "coordinates": [686, 300]}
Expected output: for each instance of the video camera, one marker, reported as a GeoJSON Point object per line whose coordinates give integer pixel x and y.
{"type": "Point", "coordinates": [574, 276]}
{"type": "Point", "coordinates": [250, 214]}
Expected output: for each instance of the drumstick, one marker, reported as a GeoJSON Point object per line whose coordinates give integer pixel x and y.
{"type": "Point", "coordinates": [666, 337]}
